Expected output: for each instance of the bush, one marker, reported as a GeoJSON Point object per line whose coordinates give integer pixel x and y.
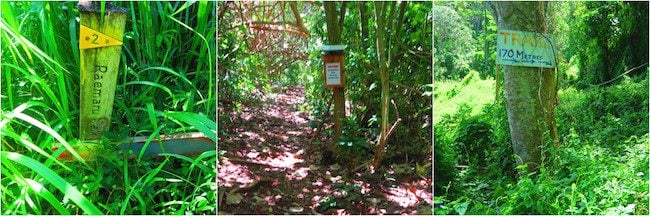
{"type": "Point", "coordinates": [445, 160]}
{"type": "Point", "coordinates": [605, 115]}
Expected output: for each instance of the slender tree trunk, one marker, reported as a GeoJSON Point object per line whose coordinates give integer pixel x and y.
{"type": "Point", "coordinates": [334, 37]}
{"type": "Point", "coordinates": [529, 91]}
{"type": "Point", "coordinates": [383, 70]}
{"type": "Point", "coordinates": [364, 25]}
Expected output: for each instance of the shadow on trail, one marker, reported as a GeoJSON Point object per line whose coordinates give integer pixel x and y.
{"type": "Point", "coordinates": [267, 169]}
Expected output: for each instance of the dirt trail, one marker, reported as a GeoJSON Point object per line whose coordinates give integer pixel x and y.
{"type": "Point", "coordinates": [265, 169]}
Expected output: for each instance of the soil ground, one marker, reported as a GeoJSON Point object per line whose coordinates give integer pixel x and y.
{"type": "Point", "coordinates": [270, 167]}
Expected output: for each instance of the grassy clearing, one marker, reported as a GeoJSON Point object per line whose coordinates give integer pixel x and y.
{"type": "Point", "coordinates": [471, 91]}
{"type": "Point", "coordinates": [166, 85]}
{"type": "Point", "coordinates": [600, 166]}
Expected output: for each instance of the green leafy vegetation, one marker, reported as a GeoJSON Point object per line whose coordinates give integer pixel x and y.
{"type": "Point", "coordinates": [600, 164]}
{"type": "Point", "coordinates": [166, 85]}
{"type": "Point", "coordinates": [270, 53]}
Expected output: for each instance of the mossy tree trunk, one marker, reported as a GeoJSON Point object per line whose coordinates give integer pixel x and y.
{"type": "Point", "coordinates": [529, 91]}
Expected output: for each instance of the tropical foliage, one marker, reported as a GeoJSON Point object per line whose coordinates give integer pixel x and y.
{"type": "Point", "coordinates": [165, 85]}
{"type": "Point", "coordinates": [600, 165]}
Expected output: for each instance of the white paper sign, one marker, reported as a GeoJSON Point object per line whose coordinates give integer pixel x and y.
{"type": "Point", "coordinates": [528, 49]}
{"type": "Point", "coordinates": [333, 73]}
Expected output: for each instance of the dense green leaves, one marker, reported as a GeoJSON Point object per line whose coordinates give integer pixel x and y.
{"type": "Point", "coordinates": [250, 68]}
{"type": "Point", "coordinates": [601, 163]}
{"type": "Point", "coordinates": [71, 192]}
{"type": "Point", "coordinates": [167, 66]}
{"type": "Point", "coordinates": [602, 39]}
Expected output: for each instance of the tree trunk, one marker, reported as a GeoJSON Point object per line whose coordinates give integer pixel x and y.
{"type": "Point", "coordinates": [529, 91]}
{"type": "Point", "coordinates": [364, 25]}
{"type": "Point", "coordinates": [383, 70]}
{"type": "Point", "coordinates": [334, 37]}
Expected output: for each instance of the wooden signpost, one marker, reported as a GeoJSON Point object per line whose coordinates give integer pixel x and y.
{"type": "Point", "coordinates": [334, 76]}
{"type": "Point", "coordinates": [334, 72]}
{"type": "Point", "coordinates": [100, 44]}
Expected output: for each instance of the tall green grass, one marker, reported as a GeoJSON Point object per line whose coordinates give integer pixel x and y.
{"type": "Point", "coordinates": [166, 85]}
{"type": "Point", "coordinates": [599, 167]}
{"type": "Point", "coordinates": [471, 91]}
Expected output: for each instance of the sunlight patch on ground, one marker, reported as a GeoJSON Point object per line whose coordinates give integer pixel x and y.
{"type": "Point", "coordinates": [279, 136]}
{"type": "Point", "coordinates": [410, 194]}
{"type": "Point", "coordinates": [231, 174]}
{"type": "Point", "coordinates": [299, 174]}
{"type": "Point", "coordinates": [252, 135]}
{"type": "Point", "coordinates": [375, 210]}
{"type": "Point", "coordinates": [271, 200]}
{"type": "Point", "coordinates": [295, 133]}
{"type": "Point", "coordinates": [365, 187]}
{"type": "Point", "coordinates": [298, 119]}
{"type": "Point", "coordinates": [402, 197]}
{"type": "Point", "coordinates": [274, 113]}
{"type": "Point", "coordinates": [288, 160]}
{"type": "Point", "coordinates": [246, 116]}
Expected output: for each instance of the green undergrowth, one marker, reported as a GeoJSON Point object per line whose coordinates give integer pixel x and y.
{"type": "Point", "coordinates": [451, 94]}
{"type": "Point", "coordinates": [600, 166]}
{"type": "Point", "coordinates": [165, 85]}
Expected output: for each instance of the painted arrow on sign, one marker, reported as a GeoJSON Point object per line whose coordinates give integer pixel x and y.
{"type": "Point", "coordinates": [532, 61]}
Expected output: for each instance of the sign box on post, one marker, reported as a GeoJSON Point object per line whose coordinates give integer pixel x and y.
{"type": "Point", "coordinates": [527, 49]}
{"type": "Point", "coordinates": [333, 72]}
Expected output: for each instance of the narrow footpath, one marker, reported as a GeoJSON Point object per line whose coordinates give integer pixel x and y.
{"type": "Point", "coordinates": [266, 169]}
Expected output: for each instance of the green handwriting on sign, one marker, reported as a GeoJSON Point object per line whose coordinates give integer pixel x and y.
{"type": "Point", "coordinates": [529, 49]}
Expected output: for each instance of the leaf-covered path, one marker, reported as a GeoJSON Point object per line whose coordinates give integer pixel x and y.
{"type": "Point", "coordinates": [270, 167]}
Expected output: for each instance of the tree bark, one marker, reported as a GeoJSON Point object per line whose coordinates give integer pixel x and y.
{"type": "Point", "coordinates": [334, 37]}
{"type": "Point", "coordinates": [380, 19]}
{"type": "Point", "coordinates": [296, 14]}
{"type": "Point", "coordinates": [529, 91]}
{"type": "Point", "coordinates": [364, 25]}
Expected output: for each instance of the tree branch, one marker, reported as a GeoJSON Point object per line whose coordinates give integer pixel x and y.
{"type": "Point", "coordinates": [342, 15]}
{"type": "Point", "coordinates": [296, 14]}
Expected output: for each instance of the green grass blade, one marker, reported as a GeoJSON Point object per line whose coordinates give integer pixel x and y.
{"type": "Point", "coordinates": [135, 191]}
{"type": "Point", "coordinates": [74, 42]}
{"type": "Point", "coordinates": [200, 122]}
{"type": "Point", "coordinates": [206, 45]}
{"type": "Point", "coordinates": [29, 46]}
{"type": "Point", "coordinates": [181, 76]}
{"type": "Point", "coordinates": [143, 205]}
{"type": "Point", "coordinates": [152, 84]}
{"type": "Point", "coordinates": [8, 88]}
{"type": "Point", "coordinates": [152, 115]}
{"type": "Point", "coordinates": [45, 194]}
{"type": "Point", "coordinates": [155, 134]}
{"type": "Point", "coordinates": [50, 131]}
{"type": "Point", "coordinates": [32, 146]}
{"type": "Point", "coordinates": [188, 159]}
{"type": "Point", "coordinates": [40, 82]}
{"type": "Point", "coordinates": [54, 179]}
{"type": "Point", "coordinates": [102, 9]}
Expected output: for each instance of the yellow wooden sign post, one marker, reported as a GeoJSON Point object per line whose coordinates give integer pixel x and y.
{"type": "Point", "coordinates": [100, 52]}
{"type": "Point", "coordinates": [100, 45]}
